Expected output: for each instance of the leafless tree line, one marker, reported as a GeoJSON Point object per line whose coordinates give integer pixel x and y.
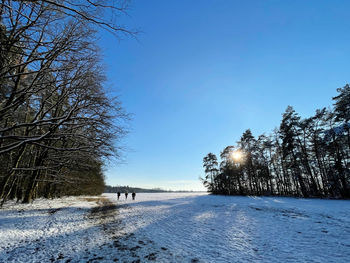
{"type": "Point", "coordinates": [57, 125]}
{"type": "Point", "coordinates": [305, 157]}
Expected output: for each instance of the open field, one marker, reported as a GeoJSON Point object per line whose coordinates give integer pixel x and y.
{"type": "Point", "coordinates": [176, 227]}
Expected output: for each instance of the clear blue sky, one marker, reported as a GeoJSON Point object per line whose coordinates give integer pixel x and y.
{"type": "Point", "coordinates": [202, 72]}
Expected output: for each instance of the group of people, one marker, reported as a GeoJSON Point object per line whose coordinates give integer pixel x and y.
{"type": "Point", "coordinates": [126, 195]}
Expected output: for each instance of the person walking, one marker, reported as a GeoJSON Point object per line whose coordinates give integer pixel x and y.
{"type": "Point", "coordinates": [118, 194]}
{"type": "Point", "coordinates": [133, 195]}
{"type": "Point", "coordinates": [126, 195]}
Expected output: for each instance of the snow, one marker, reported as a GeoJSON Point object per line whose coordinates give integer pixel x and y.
{"type": "Point", "coordinates": [242, 229]}
{"type": "Point", "coordinates": [50, 230]}
{"type": "Point", "coordinates": [176, 227]}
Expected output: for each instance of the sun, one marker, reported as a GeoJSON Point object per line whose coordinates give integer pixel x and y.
{"type": "Point", "coordinates": [237, 156]}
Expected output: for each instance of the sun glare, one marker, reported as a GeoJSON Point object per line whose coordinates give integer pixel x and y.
{"type": "Point", "coordinates": [237, 156]}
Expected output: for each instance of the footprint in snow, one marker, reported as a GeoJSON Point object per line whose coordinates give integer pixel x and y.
{"type": "Point", "coordinates": [151, 256]}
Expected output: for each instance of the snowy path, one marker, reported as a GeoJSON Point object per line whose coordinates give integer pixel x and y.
{"type": "Point", "coordinates": [176, 227]}
{"type": "Point", "coordinates": [61, 230]}
{"type": "Point", "coordinates": [202, 228]}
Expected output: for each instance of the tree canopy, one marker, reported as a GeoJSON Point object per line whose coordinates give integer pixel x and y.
{"type": "Point", "coordinates": [57, 124]}
{"type": "Point", "coordinates": [304, 157]}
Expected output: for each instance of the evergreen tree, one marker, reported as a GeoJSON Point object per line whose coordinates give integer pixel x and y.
{"type": "Point", "coordinates": [210, 164]}
{"type": "Point", "coordinates": [304, 157]}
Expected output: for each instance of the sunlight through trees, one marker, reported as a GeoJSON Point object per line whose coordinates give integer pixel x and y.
{"type": "Point", "coordinates": [304, 157]}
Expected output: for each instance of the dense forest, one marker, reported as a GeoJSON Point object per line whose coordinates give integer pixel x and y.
{"type": "Point", "coordinates": [57, 124]}
{"type": "Point", "coordinates": [303, 157]}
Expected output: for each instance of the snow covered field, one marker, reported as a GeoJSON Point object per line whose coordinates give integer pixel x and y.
{"type": "Point", "coordinates": [176, 227]}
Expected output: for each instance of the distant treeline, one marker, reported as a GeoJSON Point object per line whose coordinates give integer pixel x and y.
{"type": "Point", "coordinates": [304, 157]}
{"type": "Point", "coordinates": [123, 189]}
{"type": "Point", "coordinates": [57, 124]}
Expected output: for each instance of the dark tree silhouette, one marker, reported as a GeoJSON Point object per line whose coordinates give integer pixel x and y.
{"type": "Point", "coordinates": [57, 124]}
{"type": "Point", "coordinates": [304, 157]}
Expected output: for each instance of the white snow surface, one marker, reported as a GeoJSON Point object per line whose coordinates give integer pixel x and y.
{"type": "Point", "coordinates": [176, 227]}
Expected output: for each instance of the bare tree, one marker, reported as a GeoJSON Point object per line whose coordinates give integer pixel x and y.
{"type": "Point", "coordinates": [54, 112]}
